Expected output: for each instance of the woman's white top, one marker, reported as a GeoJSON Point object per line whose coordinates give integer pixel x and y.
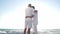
{"type": "Point", "coordinates": [35, 18]}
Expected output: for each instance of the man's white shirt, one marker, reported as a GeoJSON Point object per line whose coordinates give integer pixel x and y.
{"type": "Point", "coordinates": [29, 11]}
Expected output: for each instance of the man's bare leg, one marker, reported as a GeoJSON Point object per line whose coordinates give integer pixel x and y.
{"type": "Point", "coordinates": [25, 30]}
{"type": "Point", "coordinates": [28, 30]}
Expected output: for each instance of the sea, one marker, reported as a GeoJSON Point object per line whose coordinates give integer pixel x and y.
{"type": "Point", "coordinates": [20, 31]}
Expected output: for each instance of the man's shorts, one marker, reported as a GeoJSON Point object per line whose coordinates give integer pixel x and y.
{"type": "Point", "coordinates": [28, 22]}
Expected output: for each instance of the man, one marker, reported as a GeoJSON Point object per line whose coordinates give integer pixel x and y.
{"type": "Point", "coordinates": [28, 18]}
{"type": "Point", "coordinates": [35, 21]}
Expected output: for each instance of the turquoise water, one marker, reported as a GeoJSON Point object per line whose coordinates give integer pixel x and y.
{"type": "Point", "coordinates": [20, 31]}
{"type": "Point", "coordinates": [11, 31]}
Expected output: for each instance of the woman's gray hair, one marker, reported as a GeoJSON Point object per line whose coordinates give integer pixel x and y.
{"type": "Point", "coordinates": [33, 7]}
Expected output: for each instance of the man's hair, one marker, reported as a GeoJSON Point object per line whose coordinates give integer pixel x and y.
{"type": "Point", "coordinates": [33, 7]}
{"type": "Point", "coordinates": [29, 5]}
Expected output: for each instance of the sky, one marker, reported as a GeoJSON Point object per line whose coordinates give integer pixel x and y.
{"type": "Point", "coordinates": [12, 13]}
